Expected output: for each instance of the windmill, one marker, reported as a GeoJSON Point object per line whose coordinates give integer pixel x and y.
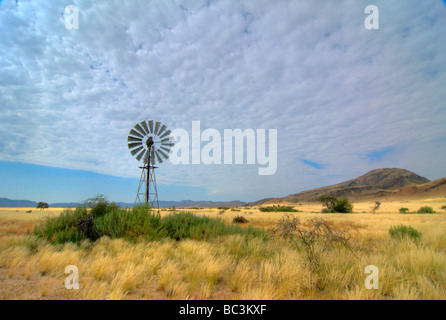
{"type": "Point", "coordinates": [149, 142]}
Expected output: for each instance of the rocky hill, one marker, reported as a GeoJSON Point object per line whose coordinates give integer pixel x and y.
{"type": "Point", "coordinates": [379, 184]}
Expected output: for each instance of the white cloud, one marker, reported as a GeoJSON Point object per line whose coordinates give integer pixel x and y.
{"type": "Point", "coordinates": [334, 90]}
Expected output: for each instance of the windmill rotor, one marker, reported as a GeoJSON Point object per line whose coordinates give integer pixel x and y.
{"type": "Point", "coordinates": [140, 134]}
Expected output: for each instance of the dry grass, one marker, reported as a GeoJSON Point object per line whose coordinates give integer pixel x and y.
{"type": "Point", "coordinates": [231, 267]}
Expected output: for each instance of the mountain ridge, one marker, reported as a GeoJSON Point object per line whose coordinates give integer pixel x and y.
{"type": "Point", "coordinates": [378, 184]}
{"type": "Point", "coordinates": [8, 203]}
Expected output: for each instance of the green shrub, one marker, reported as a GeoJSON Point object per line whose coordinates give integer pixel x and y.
{"type": "Point", "coordinates": [404, 210]}
{"type": "Point", "coordinates": [278, 209]}
{"type": "Point", "coordinates": [136, 223]}
{"type": "Point", "coordinates": [187, 225]}
{"type": "Point", "coordinates": [62, 228]}
{"type": "Point", "coordinates": [343, 206]}
{"type": "Point", "coordinates": [68, 235]}
{"type": "Point", "coordinates": [129, 224]}
{"type": "Point", "coordinates": [402, 231]}
{"type": "Point", "coordinates": [426, 209]}
{"type": "Point", "coordinates": [335, 205]}
{"type": "Point", "coordinates": [443, 207]}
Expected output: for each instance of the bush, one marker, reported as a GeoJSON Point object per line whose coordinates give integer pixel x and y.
{"type": "Point", "coordinates": [402, 231]}
{"type": "Point", "coordinates": [443, 207]}
{"type": "Point", "coordinates": [187, 225]}
{"type": "Point", "coordinates": [100, 206]}
{"type": "Point", "coordinates": [426, 209]}
{"type": "Point", "coordinates": [75, 226]}
{"type": "Point", "coordinates": [278, 209]}
{"type": "Point", "coordinates": [129, 224]}
{"type": "Point", "coordinates": [315, 236]}
{"type": "Point", "coordinates": [335, 205]}
{"type": "Point", "coordinates": [343, 206]}
{"type": "Point", "coordinates": [62, 228]}
{"type": "Point", "coordinates": [404, 210]}
{"type": "Point", "coordinates": [240, 219]}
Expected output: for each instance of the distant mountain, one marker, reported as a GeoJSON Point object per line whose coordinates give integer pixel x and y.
{"type": "Point", "coordinates": [65, 205]}
{"type": "Point", "coordinates": [5, 202]}
{"type": "Point", "coordinates": [377, 184]}
{"type": "Point", "coordinates": [201, 204]}
{"type": "Point", "coordinates": [193, 204]}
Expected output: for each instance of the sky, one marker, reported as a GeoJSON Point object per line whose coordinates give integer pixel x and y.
{"type": "Point", "coordinates": [344, 99]}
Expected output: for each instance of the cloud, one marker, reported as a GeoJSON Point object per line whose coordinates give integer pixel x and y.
{"type": "Point", "coordinates": [334, 90]}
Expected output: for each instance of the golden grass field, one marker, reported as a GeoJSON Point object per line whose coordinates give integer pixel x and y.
{"type": "Point", "coordinates": [231, 267]}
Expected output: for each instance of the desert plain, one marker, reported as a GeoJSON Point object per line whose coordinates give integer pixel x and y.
{"type": "Point", "coordinates": [232, 266]}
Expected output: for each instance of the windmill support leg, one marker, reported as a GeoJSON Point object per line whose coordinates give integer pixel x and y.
{"type": "Point", "coordinates": [149, 196]}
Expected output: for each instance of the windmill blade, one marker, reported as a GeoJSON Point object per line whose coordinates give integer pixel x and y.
{"type": "Point", "coordinates": [152, 157]}
{"type": "Point", "coordinates": [157, 127]}
{"type": "Point", "coordinates": [130, 138]}
{"type": "Point", "coordinates": [158, 158]}
{"type": "Point", "coordinates": [146, 156]}
{"type": "Point", "coordinates": [141, 155]}
{"type": "Point", "coordinates": [169, 144]}
{"type": "Point", "coordinates": [165, 140]}
{"type": "Point", "coordinates": [163, 127]}
{"type": "Point", "coordinates": [165, 156]}
{"type": "Point", "coordinates": [165, 149]}
{"type": "Point", "coordinates": [135, 151]}
{"type": "Point", "coordinates": [134, 145]}
{"type": "Point", "coordinates": [136, 134]}
{"type": "Point", "coordinates": [165, 134]}
{"type": "Point", "coordinates": [151, 126]}
{"type": "Point", "coordinates": [144, 125]}
{"type": "Point", "coordinates": [140, 129]}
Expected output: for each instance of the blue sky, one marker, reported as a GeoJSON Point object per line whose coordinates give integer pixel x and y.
{"type": "Point", "coordinates": [344, 99]}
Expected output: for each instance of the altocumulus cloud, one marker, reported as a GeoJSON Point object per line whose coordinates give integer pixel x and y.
{"type": "Point", "coordinates": [336, 92]}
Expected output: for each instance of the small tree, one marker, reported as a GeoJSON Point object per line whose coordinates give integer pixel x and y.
{"type": "Point", "coordinates": [100, 206]}
{"type": "Point", "coordinates": [42, 205]}
{"type": "Point", "coordinates": [376, 206]}
{"type": "Point", "coordinates": [334, 204]}
{"type": "Point", "coordinates": [328, 201]}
